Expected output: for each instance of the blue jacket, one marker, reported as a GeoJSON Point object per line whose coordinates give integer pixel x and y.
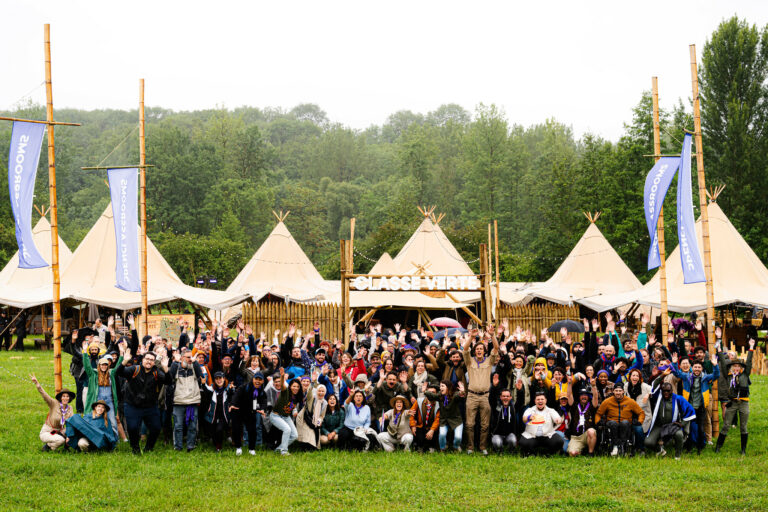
{"type": "Point", "coordinates": [638, 364]}
{"type": "Point", "coordinates": [681, 412]}
{"type": "Point", "coordinates": [687, 378]}
{"type": "Point", "coordinates": [343, 389]}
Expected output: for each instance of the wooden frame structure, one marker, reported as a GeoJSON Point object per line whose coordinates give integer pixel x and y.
{"type": "Point", "coordinates": [485, 277]}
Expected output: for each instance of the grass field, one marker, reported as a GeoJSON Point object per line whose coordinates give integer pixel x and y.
{"type": "Point", "coordinates": [329, 480]}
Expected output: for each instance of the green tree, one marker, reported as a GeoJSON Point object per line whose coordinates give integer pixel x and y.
{"type": "Point", "coordinates": [734, 99]}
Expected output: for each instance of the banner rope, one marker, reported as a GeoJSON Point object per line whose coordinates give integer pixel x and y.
{"type": "Point", "coordinates": [118, 145]}
{"type": "Point", "coordinates": [14, 106]}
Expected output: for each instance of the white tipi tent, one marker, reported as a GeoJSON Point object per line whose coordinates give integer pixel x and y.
{"type": "Point", "coordinates": [738, 275]}
{"type": "Point", "coordinates": [25, 288]}
{"type": "Point", "coordinates": [280, 268]}
{"type": "Point", "coordinates": [90, 275]}
{"type": "Point", "coordinates": [429, 252]}
{"type": "Point", "coordinates": [593, 268]}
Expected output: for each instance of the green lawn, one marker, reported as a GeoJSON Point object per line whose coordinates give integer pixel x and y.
{"type": "Point", "coordinates": [203, 480]}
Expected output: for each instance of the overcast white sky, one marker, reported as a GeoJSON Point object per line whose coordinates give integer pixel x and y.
{"type": "Point", "coordinates": [584, 63]}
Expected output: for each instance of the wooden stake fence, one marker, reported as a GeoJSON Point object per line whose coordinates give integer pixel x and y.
{"type": "Point", "coordinates": [271, 316]}
{"type": "Point", "coordinates": [535, 317]}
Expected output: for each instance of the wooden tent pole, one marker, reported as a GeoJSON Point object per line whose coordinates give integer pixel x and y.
{"type": "Point", "coordinates": [54, 215]}
{"type": "Point", "coordinates": [143, 209]}
{"type": "Point", "coordinates": [344, 313]}
{"type": "Point", "coordinates": [496, 254]}
{"type": "Point", "coordinates": [660, 225]}
{"type": "Point", "coordinates": [704, 229]}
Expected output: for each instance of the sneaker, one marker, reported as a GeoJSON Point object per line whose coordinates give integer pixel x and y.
{"type": "Point", "coordinates": [218, 450]}
{"type": "Point", "coordinates": [431, 450]}
{"type": "Point", "coordinates": [458, 450]}
{"type": "Point", "coordinates": [710, 443]}
{"type": "Point", "coordinates": [46, 448]}
{"type": "Point", "coordinates": [615, 451]}
{"type": "Point", "coordinates": [190, 449]}
{"type": "Point", "coordinates": [284, 453]}
{"type": "Point", "coordinates": [662, 452]}
{"type": "Point", "coordinates": [239, 451]}
{"type": "Point", "coordinates": [469, 452]}
{"type": "Point", "coordinates": [252, 452]}
{"type": "Point", "coordinates": [677, 457]}
{"type": "Point", "coordinates": [485, 452]}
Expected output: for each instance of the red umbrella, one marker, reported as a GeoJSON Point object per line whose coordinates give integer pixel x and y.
{"type": "Point", "coordinates": [444, 322]}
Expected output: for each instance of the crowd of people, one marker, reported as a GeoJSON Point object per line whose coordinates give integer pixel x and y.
{"type": "Point", "coordinates": [477, 390]}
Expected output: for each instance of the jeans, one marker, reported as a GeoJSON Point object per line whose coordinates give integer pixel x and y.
{"type": "Point", "coordinates": [639, 437]}
{"type": "Point", "coordinates": [565, 439]}
{"type": "Point", "coordinates": [500, 442]}
{"type": "Point", "coordinates": [149, 416]}
{"type": "Point", "coordinates": [179, 419]}
{"type": "Point", "coordinates": [105, 393]}
{"type": "Point", "coordinates": [443, 437]}
{"type": "Point", "coordinates": [286, 426]}
{"type": "Point", "coordinates": [252, 423]}
{"type": "Point", "coordinates": [79, 400]}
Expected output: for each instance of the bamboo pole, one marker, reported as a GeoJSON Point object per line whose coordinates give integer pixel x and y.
{"type": "Point", "coordinates": [496, 253]}
{"type": "Point", "coordinates": [660, 225]}
{"type": "Point", "coordinates": [344, 285]}
{"type": "Point", "coordinates": [704, 228]}
{"type": "Point", "coordinates": [54, 214]}
{"type": "Point", "coordinates": [143, 206]}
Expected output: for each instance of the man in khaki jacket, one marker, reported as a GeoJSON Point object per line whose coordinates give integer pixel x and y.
{"type": "Point", "coordinates": [479, 370]}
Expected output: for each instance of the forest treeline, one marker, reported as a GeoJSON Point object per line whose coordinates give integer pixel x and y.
{"type": "Point", "coordinates": [219, 174]}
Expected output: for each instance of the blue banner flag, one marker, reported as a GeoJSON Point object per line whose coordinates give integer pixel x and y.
{"type": "Point", "coordinates": [123, 188]}
{"type": "Point", "coordinates": [26, 139]}
{"type": "Point", "coordinates": [656, 186]}
{"type": "Point", "coordinates": [693, 269]}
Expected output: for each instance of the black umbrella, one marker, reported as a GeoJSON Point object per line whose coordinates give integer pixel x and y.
{"type": "Point", "coordinates": [570, 326]}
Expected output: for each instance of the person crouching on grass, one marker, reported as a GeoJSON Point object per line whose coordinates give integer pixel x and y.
{"type": "Point", "coordinates": [59, 411]}
{"type": "Point", "coordinates": [540, 422]}
{"type": "Point", "coordinates": [397, 430]}
{"type": "Point", "coordinates": [92, 431]}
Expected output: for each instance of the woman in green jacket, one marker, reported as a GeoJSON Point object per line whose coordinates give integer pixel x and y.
{"type": "Point", "coordinates": [332, 422]}
{"type": "Point", "coordinates": [102, 386]}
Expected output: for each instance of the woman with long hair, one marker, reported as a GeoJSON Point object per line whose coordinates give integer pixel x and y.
{"type": "Point", "coordinates": [333, 422]}
{"type": "Point", "coordinates": [450, 413]}
{"type": "Point", "coordinates": [101, 383]}
{"type": "Point", "coordinates": [286, 409]}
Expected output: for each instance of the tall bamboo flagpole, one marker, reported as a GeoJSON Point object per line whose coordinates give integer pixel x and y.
{"type": "Point", "coordinates": [496, 254]}
{"type": "Point", "coordinates": [660, 225]}
{"type": "Point", "coordinates": [143, 211]}
{"type": "Point", "coordinates": [704, 229]}
{"type": "Point", "coordinates": [54, 215]}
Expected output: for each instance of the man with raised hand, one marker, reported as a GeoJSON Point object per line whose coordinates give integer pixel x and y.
{"type": "Point", "coordinates": [142, 389]}
{"type": "Point", "coordinates": [479, 370]}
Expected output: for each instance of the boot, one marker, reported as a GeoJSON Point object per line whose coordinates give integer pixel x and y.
{"type": "Point", "coordinates": [720, 441]}
{"type": "Point", "coordinates": [744, 443]}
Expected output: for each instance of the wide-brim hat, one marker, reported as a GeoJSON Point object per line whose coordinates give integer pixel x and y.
{"type": "Point", "coordinates": [361, 377]}
{"type": "Point", "coordinates": [100, 402]}
{"type": "Point", "coordinates": [406, 402]}
{"type": "Point", "coordinates": [739, 362]}
{"type": "Point", "coordinates": [72, 394]}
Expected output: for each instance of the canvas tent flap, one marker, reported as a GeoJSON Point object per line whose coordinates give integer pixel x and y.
{"type": "Point", "coordinates": [593, 268]}
{"type": "Point", "coordinates": [738, 275]}
{"type": "Point", "coordinates": [90, 276]}
{"type": "Point", "coordinates": [25, 288]}
{"type": "Point", "coordinates": [281, 268]}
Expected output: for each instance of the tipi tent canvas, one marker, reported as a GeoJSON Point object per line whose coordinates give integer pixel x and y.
{"type": "Point", "coordinates": [25, 288]}
{"type": "Point", "coordinates": [738, 275]}
{"type": "Point", "coordinates": [593, 268]}
{"type": "Point", "coordinates": [90, 276]}
{"type": "Point", "coordinates": [281, 268]}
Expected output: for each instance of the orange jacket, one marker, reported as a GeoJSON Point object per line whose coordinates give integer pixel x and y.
{"type": "Point", "coordinates": [615, 411]}
{"type": "Point", "coordinates": [417, 415]}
